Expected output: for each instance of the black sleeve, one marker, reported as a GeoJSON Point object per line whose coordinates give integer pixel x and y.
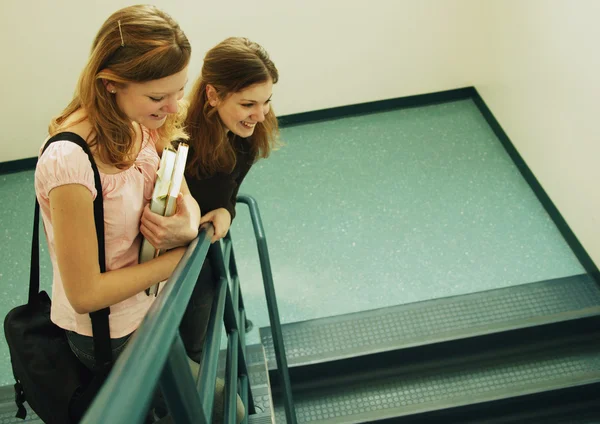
{"type": "Point", "coordinates": [212, 192]}
{"type": "Point", "coordinates": [233, 198]}
{"type": "Point", "coordinates": [219, 190]}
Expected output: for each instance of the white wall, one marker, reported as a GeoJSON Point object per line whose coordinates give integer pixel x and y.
{"type": "Point", "coordinates": [536, 64]}
{"type": "Point", "coordinates": [541, 81]}
{"type": "Point", "coordinates": [329, 52]}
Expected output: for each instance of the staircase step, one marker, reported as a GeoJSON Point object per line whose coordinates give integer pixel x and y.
{"type": "Point", "coordinates": [435, 321]}
{"type": "Point", "coordinates": [500, 385]}
{"type": "Point", "coordinates": [258, 375]}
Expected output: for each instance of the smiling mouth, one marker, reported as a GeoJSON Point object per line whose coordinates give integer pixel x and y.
{"type": "Point", "coordinates": [248, 124]}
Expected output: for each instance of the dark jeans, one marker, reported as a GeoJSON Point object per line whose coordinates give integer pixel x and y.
{"type": "Point", "coordinates": [83, 347]}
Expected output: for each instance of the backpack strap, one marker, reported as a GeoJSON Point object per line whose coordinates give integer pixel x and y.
{"type": "Point", "coordinates": [100, 326]}
{"type": "Point", "coordinates": [34, 269]}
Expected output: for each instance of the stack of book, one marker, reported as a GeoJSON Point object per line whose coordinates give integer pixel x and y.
{"type": "Point", "coordinates": [164, 197]}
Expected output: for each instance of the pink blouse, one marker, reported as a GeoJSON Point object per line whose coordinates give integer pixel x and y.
{"type": "Point", "coordinates": [125, 195]}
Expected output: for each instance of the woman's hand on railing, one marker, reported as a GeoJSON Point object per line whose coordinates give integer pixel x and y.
{"type": "Point", "coordinates": [221, 221]}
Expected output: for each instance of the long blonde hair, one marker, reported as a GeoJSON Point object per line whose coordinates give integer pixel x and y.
{"type": "Point", "coordinates": [135, 44]}
{"type": "Point", "coordinates": [231, 66]}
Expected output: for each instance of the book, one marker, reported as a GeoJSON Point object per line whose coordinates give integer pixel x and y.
{"type": "Point", "coordinates": [169, 179]}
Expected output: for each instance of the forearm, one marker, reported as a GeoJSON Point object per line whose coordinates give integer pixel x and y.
{"type": "Point", "coordinates": [116, 286]}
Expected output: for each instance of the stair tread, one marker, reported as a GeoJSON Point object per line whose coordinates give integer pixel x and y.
{"type": "Point", "coordinates": [367, 396]}
{"type": "Point", "coordinates": [385, 329]}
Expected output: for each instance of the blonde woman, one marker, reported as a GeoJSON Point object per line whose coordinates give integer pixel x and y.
{"type": "Point", "coordinates": [126, 108]}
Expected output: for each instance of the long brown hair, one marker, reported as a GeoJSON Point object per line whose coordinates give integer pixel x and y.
{"type": "Point", "coordinates": [135, 44]}
{"type": "Point", "coordinates": [231, 66]}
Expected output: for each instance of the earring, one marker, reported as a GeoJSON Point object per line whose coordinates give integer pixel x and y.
{"type": "Point", "coordinates": [113, 91]}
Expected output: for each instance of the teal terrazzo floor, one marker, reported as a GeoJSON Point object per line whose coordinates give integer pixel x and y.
{"type": "Point", "coordinates": [360, 213]}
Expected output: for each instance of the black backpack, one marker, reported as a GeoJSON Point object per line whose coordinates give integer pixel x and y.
{"type": "Point", "coordinates": [57, 386]}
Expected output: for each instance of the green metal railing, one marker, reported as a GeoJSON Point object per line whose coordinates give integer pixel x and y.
{"type": "Point", "coordinates": [265, 265]}
{"type": "Point", "coordinates": [155, 355]}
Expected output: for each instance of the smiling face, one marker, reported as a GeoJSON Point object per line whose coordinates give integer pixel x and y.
{"type": "Point", "coordinates": [149, 103]}
{"type": "Point", "coordinates": [241, 111]}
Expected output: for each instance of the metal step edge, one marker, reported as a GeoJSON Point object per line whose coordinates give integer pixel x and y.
{"type": "Point", "coordinates": [493, 412]}
{"type": "Point", "coordinates": [434, 321]}
{"type": "Point", "coordinates": [492, 379]}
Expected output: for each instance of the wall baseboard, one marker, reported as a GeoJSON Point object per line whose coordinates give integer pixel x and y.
{"type": "Point", "coordinates": [11, 166]}
{"type": "Point", "coordinates": [376, 106]}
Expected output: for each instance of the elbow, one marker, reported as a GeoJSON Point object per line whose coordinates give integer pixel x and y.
{"type": "Point", "coordinates": [83, 298]}
{"type": "Point", "coordinates": [80, 303]}
{"type": "Point", "coordinates": [80, 307]}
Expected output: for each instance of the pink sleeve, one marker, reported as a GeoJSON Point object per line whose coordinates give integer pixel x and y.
{"type": "Point", "coordinates": [63, 163]}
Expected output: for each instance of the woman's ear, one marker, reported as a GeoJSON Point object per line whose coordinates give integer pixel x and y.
{"type": "Point", "coordinates": [212, 95]}
{"type": "Point", "coordinates": [109, 85]}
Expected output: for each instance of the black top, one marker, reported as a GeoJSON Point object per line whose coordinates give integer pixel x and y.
{"type": "Point", "coordinates": [220, 190]}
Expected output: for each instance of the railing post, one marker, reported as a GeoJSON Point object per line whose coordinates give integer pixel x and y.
{"type": "Point", "coordinates": [210, 355]}
{"type": "Point", "coordinates": [278, 344]}
{"type": "Point", "coordinates": [231, 378]}
{"type": "Point", "coordinates": [244, 385]}
{"type": "Point", "coordinates": [179, 389]}
{"type": "Point", "coordinates": [231, 318]}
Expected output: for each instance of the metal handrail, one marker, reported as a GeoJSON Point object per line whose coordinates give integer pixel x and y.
{"type": "Point", "coordinates": [155, 352]}
{"type": "Point", "coordinates": [278, 345]}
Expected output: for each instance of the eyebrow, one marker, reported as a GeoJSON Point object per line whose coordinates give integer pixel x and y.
{"type": "Point", "coordinates": [155, 93]}
{"type": "Point", "coordinates": [254, 101]}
